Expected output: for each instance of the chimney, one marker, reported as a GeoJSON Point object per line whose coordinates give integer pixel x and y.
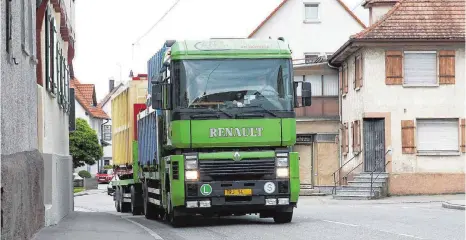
{"type": "Point", "coordinates": [378, 8]}
{"type": "Point", "coordinates": [111, 84]}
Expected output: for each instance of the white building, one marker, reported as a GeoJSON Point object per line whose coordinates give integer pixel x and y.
{"type": "Point", "coordinates": [87, 108]}
{"type": "Point", "coordinates": [106, 106]}
{"type": "Point", "coordinates": [403, 88]}
{"type": "Point", "coordinates": [314, 29]}
{"type": "Point", "coordinates": [55, 51]}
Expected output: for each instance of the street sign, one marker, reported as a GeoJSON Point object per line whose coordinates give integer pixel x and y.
{"type": "Point", "coordinates": [107, 133]}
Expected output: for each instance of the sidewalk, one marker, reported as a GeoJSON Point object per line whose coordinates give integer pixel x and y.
{"type": "Point", "coordinates": [454, 204]}
{"type": "Point", "coordinates": [93, 226]}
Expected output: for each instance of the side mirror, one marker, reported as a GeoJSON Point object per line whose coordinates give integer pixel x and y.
{"type": "Point", "coordinates": [295, 90]}
{"type": "Point", "coordinates": [306, 94]}
{"type": "Point", "coordinates": [156, 96]}
{"type": "Point", "coordinates": [161, 96]}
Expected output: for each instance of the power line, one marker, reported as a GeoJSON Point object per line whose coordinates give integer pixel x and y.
{"type": "Point", "coordinates": [155, 24]}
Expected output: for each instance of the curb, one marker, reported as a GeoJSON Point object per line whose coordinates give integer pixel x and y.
{"type": "Point", "coordinates": [453, 206]}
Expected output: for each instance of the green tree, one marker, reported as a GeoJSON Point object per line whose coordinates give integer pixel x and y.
{"type": "Point", "coordinates": [84, 144]}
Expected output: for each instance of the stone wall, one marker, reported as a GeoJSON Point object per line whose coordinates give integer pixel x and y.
{"type": "Point", "coordinates": [22, 201]}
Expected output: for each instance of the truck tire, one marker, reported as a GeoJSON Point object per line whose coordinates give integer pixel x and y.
{"type": "Point", "coordinates": [283, 217]}
{"type": "Point", "coordinates": [175, 221]}
{"type": "Point", "coordinates": [149, 210]}
{"type": "Point", "coordinates": [117, 199]}
{"type": "Point", "coordinates": [135, 207]}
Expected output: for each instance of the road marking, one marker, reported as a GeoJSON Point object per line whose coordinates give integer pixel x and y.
{"type": "Point", "coordinates": [347, 224]}
{"type": "Point", "coordinates": [152, 233]}
{"type": "Point", "coordinates": [401, 234]}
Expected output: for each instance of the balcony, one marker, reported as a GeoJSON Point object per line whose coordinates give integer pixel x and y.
{"type": "Point", "coordinates": [322, 107]}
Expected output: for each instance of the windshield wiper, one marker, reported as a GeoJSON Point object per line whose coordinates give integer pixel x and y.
{"type": "Point", "coordinates": [260, 106]}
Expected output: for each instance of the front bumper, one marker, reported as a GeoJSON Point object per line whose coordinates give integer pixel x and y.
{"type": "Point", "coordinates": [266, 195]}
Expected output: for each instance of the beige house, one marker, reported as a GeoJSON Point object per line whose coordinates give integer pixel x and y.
{"type": "Point", "coordinates": [403, 89]}
{"type": "Point", "coordinates": [314, 30]}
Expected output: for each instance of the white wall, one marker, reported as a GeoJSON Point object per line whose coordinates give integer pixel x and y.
{"type": "Point", "coordinates": [335, 27]}
{"type": "Point", "coordinates": [108, 109]}
{"type": "Point", "coordinates": [406, 103]}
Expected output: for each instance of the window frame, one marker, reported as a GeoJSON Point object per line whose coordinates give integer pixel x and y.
{"type": "Point", "coordinates": [455, 152]}
{"type": "Point", "coordinates": [436, 84]}
{"type": "Point", "coordinates": [319, 9]}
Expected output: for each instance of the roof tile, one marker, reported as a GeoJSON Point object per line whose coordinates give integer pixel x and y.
{"type": "Point", "coordinates": [420, 19]}
{"type": "Point", "coordinates": [84, 93]}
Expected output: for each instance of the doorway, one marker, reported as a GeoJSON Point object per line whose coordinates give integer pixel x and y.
{"type": "Point", "coordinates": [305, 162]}
{"type": "Point", "coordinates": [374, 145]}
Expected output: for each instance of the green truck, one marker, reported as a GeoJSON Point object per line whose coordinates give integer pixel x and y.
{"type": "Point", "coordinates": [216, 138]}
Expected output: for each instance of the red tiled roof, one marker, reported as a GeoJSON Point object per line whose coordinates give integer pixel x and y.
{"type": "Point", "coordinates": [84, 93]}
{"type": "Point", "coordinates": [285, 1]}
{"type": "Point", "coordinates": [370, 2]}
{"type": "Point", "coordinates": [420, 19]}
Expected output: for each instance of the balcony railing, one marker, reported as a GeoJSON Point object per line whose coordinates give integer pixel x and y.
{"type": "Point", "coordinates": [322, 107]}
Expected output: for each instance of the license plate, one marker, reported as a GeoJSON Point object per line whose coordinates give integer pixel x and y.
{"type": "Point", "coordinates": [238, 192]}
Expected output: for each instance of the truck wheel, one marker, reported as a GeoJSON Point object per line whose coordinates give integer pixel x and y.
{"type": "Point", "coordinates": [149, 209]}
{"type": "Point", "coordinates": [283, 217]}
{"type": "Point", "coordinates": [135, 208]}
{"type": "Point", "coordinates": [117, 199]}
{"type": "Point", "coordinates": [175, 221]}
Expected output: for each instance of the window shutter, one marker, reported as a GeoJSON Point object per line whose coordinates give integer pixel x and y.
{"type": "Point", "coordinates": [355, 77]}
{"type": "Point", "coordinates": [360, 73]}
{"type": "Point", "coordinates": [47, 52]}
{"type": "Point", "coordinates": [407, 135]}
{"type": "Point", "coordinates": [463, 135]}
{"type": "Point", "coordinates": [340, 78]}
{"type": "Point", "coordinates": [446, 67]}
{"type": "Point", "coordinates": [345, 79]}
{"type": "Point", "coordinates": [358, 135]}
{"type": "Point", "coordinates": [393, 67]}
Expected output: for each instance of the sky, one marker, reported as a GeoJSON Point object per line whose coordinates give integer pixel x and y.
{"type": "Point", "coordinates": [107, 29]}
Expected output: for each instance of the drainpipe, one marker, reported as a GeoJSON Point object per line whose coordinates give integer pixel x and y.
{"type": "Point", "coordinates": [340, 110]}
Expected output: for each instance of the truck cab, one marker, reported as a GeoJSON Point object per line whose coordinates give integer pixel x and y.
{"type": "Point", "coordinates": [226, 128]}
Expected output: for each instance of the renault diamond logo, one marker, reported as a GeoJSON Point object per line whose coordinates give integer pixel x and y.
{"type": "Point", "coordinates": [236, 156]}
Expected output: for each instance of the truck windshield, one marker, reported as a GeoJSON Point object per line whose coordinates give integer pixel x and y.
{"type": "Point", "coordinates": [235, 83]}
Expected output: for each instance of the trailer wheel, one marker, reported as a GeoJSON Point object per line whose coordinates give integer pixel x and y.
{"type": "Point", "coordinates": [283, 217]}
{"type": "Point", "coordinates": [149, 210]}
{"type": "Point", "coordinates": [135, 207]}
{"type": "Point", "coordinates": [117, 199]}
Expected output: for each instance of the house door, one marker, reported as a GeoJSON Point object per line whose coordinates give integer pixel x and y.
{"type": "Point", "coordinates": [305, 163]}
{"type": "Point", "coordinates": [374, 145]}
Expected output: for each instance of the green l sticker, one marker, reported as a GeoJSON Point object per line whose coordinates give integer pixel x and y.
{"type": "Point", "coordinates": [206, 189]}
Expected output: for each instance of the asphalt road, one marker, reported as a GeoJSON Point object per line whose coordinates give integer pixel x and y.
{"type": "Point", "coordinates": [315, 218]}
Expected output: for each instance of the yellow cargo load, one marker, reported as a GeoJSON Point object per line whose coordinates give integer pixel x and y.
{"type": "Point", "coordinates": [125, 105]}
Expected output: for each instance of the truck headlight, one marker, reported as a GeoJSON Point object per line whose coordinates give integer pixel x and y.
{"type": "Point", "coordinates": [191, 162]}
{"type": "Point", "coordinates": [282, 159]}
{"type": "Point", "coordinates": [191, 175]}
{"type": "Point", "coordinates": [282, 172]}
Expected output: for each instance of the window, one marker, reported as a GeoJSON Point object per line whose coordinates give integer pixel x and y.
{"type": "Point", "coordinates": [323, 85]}
{"type": "Point", "coordinates": [311, 12]}
{"type": "Point", "coordinates": [310, 58]}
{"type": "Point", "coordinates": [420, 68]}
{"type": "Point", "coordinates": [437, 135]}
{"type": "Point", "coordinates": [106, 162]}
{"type": "Point", "coordinates": [26, 27]}
{"type": "Point", "coordinates": [9, 26]}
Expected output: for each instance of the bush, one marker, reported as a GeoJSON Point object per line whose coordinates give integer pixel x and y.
{"type": "Point", "coordinates": [108, 167]}
{"type": "Point", "coordinates": [84, 174]}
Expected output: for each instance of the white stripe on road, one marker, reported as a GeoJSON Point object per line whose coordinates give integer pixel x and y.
{"type": "Point", "coordinates": [347, 224]}
{"type": "Point", "coordinates": [353, 225]}
{"type": "Point", "coordinates": [152, 233]}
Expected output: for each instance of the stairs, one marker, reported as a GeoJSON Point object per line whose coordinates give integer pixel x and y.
{"type": "Point", "coordinates": [360, 187]}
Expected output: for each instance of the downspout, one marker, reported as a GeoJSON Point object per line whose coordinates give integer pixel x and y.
{"type": "Point", "coordinates": [340, 109]}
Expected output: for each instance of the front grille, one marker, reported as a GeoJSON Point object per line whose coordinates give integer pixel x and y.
{"type": "Point", "coordinates": [229, 170]}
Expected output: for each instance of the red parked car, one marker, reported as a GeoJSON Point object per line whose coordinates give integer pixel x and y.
{"type": "Point", "coordinates": [104, 176]}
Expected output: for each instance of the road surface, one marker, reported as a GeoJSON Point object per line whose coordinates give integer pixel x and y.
{"type": "Point", "coordinates": [315, 218]}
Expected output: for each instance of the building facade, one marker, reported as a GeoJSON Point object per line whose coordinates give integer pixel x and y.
{"type": "Point", "coordinates": [22, 166]}
{"type": "Point", "coordinates": [55, 48]}
{"type": "Point", "coordinates": [86, 107]}
{"type": "Point", "coordinates": [403, 97]}
{"type": "Point", "coordinates": [314, 31]}
{"type": "Point", "coordinates": [106, 105]}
